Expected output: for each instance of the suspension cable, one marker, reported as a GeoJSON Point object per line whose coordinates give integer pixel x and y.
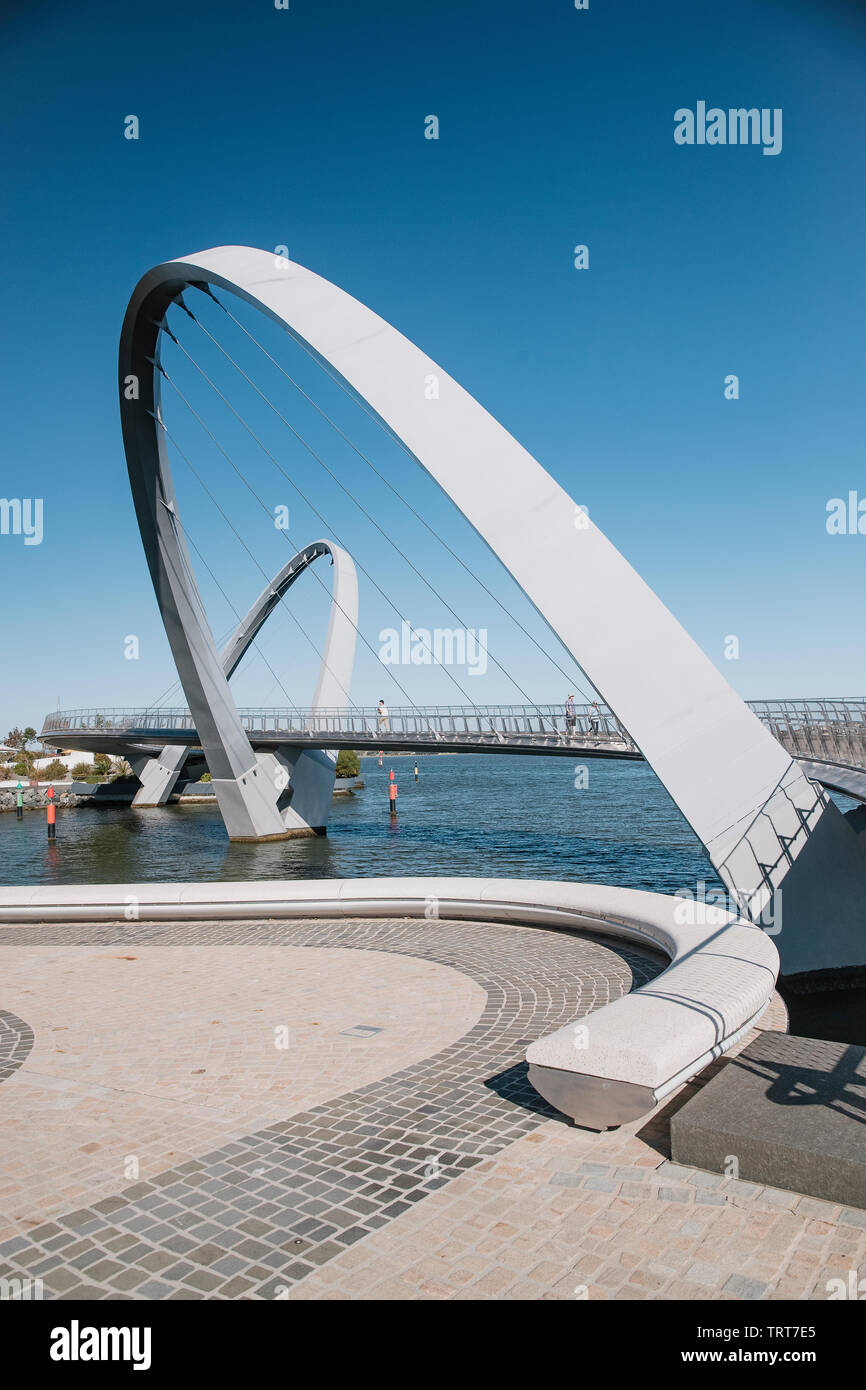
{"type": "Point", "coordinates": [266, 510]}
{"type": "Point", "coordinates": [340, 484]}
{"type": "Point", "coordinates": [177, 684]}
{"type": "Point", "coordinates": [268, 578]}
{"type": "Point", "coordinates": [371, 414]}
{"type": "Point", "coordinates": [316, 511]}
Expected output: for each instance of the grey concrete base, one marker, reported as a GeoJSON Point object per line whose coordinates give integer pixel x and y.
{"type": "Point", "coordinates": [159, 776]}
{"type": "Point", "coordinates": [347, 786]}
{"type": "Point", "coordinates": [248, 805]}
{"type": "Point", "coordinates": [310, 774]}
{"type": "Point", "coordinates": [120, 792]}
{"type": "Point", "coordinates": [791, 1111]}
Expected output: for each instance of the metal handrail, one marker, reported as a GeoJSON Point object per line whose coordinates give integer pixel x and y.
{"type": "Point", "coordinates": [824, 730]}
{"type": "Point", "coordinates": [536, 721]}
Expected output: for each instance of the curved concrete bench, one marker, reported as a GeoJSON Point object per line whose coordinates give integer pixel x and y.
{"type": "Point", "coordinates": [612, 1066]}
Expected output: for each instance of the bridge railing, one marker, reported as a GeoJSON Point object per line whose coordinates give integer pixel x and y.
{"type": "Point", "coordinates": [770, 843]}
{"type": "Point", "coordinates": [829, 730]}
{"type": "Point", "coordinates": [428, 723]}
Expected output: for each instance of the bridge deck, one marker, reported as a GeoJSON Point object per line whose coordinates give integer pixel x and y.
{"type": "Point", "coordinates": [827, 737]}
{"type": "Point", "coordinates": [153, 740]}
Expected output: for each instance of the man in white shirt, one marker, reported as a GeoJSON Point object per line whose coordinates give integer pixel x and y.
{"type": "Point", "coordinates": [570, 716]}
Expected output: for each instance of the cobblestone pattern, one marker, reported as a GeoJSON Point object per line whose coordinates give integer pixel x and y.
{"type": "Point", "coordinates": [258, 1215]}
{"type": "Point", "coordinates": [564, 1214]}
{"type": "Point", "coordinates": [16, 1040]}
{"type": "Point", "coordinates": [145, 1057]}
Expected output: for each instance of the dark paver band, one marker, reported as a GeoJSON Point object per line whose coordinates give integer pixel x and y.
{"type": "Point", "coordinates": [260, 1213]}
{"type": "Point", "coordinates": [16, 1040]}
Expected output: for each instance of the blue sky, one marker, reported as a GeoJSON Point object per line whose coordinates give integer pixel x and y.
{"type": "Point", "coordinates": [306, 128]}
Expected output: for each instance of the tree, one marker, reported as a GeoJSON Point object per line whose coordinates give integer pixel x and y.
{"type": "Point", "coordinates": [19, 739]}
{"type": "Point", "coordinates": [348, 763]}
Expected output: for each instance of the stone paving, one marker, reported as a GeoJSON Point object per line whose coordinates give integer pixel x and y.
{"type": "Point", "coordinates": [393, 1150]}
{"type": "Point", "coordinates": [566, 1214]}
{"type": "Point", "coordinates": [260, 1212]}
{"type": "Point", "coordinates": [145, 1058]}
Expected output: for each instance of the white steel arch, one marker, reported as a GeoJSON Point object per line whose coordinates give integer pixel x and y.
{"type": "Point", "coordinates": [760, 820]}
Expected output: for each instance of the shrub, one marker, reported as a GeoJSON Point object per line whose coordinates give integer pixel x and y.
{"type": "Point", "coordinates": [120, 768]}
{"type": "Point", "coordinates": [205, 777]}
{"type": "Point", "coordinates": [101, 764]}
{"type": "Point", "coordinates": [82, 770]}
{"type": "Point", "coordinates": [52, 772]}
{"type": "Point", "coordinates": [348, 763]}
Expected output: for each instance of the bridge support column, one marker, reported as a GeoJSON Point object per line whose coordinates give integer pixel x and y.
{"type": "Point", "coordinates": [249, 804]}
{"type": "Point", "coordinates": [297, 783]}
{"type": "Point", "coordinates": [306, 801]}
{"type": "Point", "coordinates": [159, 776]}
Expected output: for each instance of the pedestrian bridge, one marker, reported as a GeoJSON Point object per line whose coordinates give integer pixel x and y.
{"type": "Point", "coordinates": [826, 737]}
{"type": "Point", "coordinates": [748, 781]}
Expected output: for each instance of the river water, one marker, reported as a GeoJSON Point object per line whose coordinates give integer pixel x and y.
{"type": "Point", "coordinates": [473, 814]}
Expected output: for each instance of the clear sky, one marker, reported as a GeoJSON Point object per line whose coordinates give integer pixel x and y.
{"type": "Point", "coordinates": [305, 128]}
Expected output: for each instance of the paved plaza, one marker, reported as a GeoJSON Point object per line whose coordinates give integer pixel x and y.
{"type": "Point", "coordinates": [340, 1110]}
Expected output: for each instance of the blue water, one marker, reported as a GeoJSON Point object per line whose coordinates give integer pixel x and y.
{"type": "Point", "coordinates": [490, 815]}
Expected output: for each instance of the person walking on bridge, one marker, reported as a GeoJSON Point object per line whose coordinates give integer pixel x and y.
{"type": "Point", "coordinates": [594, 718]}
{"type": "Point", "coordinates": [570, 717]}
{"type": "Point", "coordinates": [382, 717]}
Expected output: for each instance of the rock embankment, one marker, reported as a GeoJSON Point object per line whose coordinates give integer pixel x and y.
{"type": "Point", "coordinates": [120, 793]}
{"type": "Point", "coordinates": [36, 798]}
